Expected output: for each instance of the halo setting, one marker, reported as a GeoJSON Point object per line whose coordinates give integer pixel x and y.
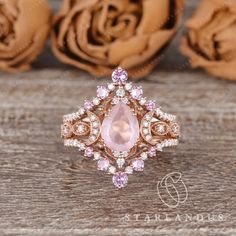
{"type": "Point", "coordinates": [120, 129]}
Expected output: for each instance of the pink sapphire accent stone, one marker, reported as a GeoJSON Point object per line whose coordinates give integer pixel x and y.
{"type": "Point", "coordinates": [88, 105]}
{"type": "Point", "coordinates": [119, 76]}
{"type": "Point", "coordinates": [103, 164]}
{"type": "Point", "coordinates": [151, 105]}
{"type": "Point", "coordinates": [138, 164]}
{"type": "Point", "coordinates": [152, 152]}
{"type": "Point", "coordinates": [120, 129]}
{"type": "Point", "coordinates": [88, 152]}
{"type": "Point", "coordinates": [102, 92]}
{"type": "Point", "coordinates": [136, 92]}
{"type": "Point", "coordinates": [120, 179]}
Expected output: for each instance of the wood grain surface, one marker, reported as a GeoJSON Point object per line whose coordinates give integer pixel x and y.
{"type": "Point", "coordinates": [46, 189]}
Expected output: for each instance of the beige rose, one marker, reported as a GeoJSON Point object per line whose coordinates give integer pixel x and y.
{"type": "Point", "coordinates": [24, 28]}
{"type": "Point", "coordinates": [100, 35]}
{"type": "Point", "coordinates": [210, 42]}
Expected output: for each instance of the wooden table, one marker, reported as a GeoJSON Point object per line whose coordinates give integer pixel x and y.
{"type": "Point", "coordinates": [46, 189]}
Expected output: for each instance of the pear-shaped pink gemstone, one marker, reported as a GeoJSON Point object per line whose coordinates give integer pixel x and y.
{"type": "Point", "coordinates": [120, 129]}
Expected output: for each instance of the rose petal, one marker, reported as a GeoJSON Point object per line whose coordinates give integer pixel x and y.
{"type": "Point", "coordinates": [222, 69]}
{"type": "Point", "coordinates": [226, 42]}
{"type": "Point", "coordinates": [206, 34]}
{"type": "Point", "coordinates": [103, 35]}
{"type": "Point", "coordinates": [156, 42]}
{"type": "Point", "coordinates": [97, 51]}
{"type": "Point", "coordinates": [134, 45]}
{"type": "Point", "coordinates": [155, 14]}
{"type": "Point", "coordinates": [66, 15]}
{"type": "Point", "coordinates": [204, 13]}
{"type": "Point", "coordinates": [210, 41]}
{"type": "Point", "coordinates": [74, 48]}
{"type": "Point", "coordinates": [30, 27]}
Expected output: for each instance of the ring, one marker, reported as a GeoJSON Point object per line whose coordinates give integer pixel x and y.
{"type": "Point", "coordinates": [120, 128]}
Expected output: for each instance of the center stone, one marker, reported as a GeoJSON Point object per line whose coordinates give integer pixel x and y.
{"type": "Point", "coordinates": [120, 129]}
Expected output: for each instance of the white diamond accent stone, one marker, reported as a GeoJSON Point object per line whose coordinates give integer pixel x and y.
{"type": "Point", "coordinates": [144, 156]}
{"type": "Point", "coordinates": [128, 86]}
{"type": "Point", "coordinates": [120, 162]}
{"type": "Point", "coordinates": [120, 92]}
{"type": "Point", "coordinates": [161, 128]}
{"type": "Point", "coordinates": [95, 131]}
{"type": "Point", "coordinates": [111, 86]}
{"type": "Point", "coordinates": [95, 124]}
{"type": "Point", "coordinates": [120, 154]}
{"type": "Point", "coordinates": [96, 155]}
{"type": "Point", "coordinates": [124, 154]}
{"type": "Point", "coordinates": [142, 101]}
{"type": "Point", "coordinates": [92, 138]}
{"type": "Point", "coordinates": [81, 111]}
{"type": "Point", "coordinates": [159, 147]}
{"type": "Point", "coordinates": [129, 170]}
{"type": "Point", "coordinates": [92, 117]}
{"type": "Point", "coordinates": [148, 117]}
{"type": "Point", "coordinates": [145, 131]}
{"type": "Point", "coordinates": [116, 154]}
{"type": "Point", "coordinates": [80, 128]}
{"type": "Point", "coordinates": [81, 146]}
{"type": "Point", "coordinates": [96, 101]}
{"type": "Point", "coordinates": [112, 169]}
{"type": "Point", "coordinates": [115, 100]}
{"type": "Point", "coordinates": [125, 100]}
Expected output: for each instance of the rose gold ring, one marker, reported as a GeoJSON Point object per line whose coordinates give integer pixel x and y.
{"type": "Point", "coordinates": [120, 128]}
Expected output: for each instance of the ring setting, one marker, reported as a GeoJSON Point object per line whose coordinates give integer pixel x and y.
{"type": "Point", "coordinates": [120, 129]}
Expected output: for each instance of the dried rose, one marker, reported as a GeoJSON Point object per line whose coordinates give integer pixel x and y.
{"type": "Point", "coordinates": [210, 42]}
{"type": "Point", "coordinates": [99, 35]}
{"type": "Point", "coordinates": [24, 28]}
